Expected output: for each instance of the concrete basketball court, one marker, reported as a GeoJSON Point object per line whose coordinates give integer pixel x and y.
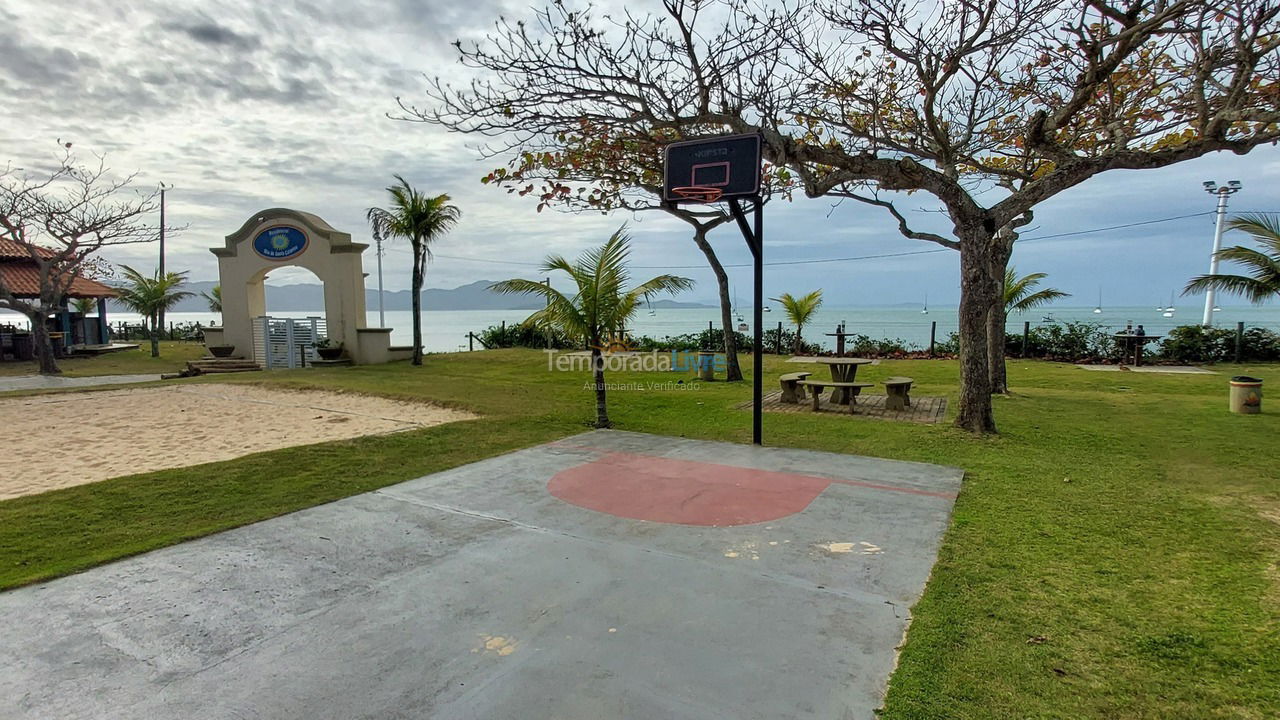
{"type": "Point", "coordinates": [608, 575]}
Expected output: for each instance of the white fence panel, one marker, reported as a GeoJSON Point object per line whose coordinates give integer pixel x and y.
{"type": "Point", "coordinates": [286, 342]}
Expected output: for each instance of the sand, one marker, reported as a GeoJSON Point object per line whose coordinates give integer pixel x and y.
{"type": "Point", "coordinates": [56, 441]}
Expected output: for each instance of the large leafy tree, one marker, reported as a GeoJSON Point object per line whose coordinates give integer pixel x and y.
{"type": "Point", "coordinates": [800, 311]}
{"type": "Point", "coordinates": [1262, 281]}
{"type": "Point", "coordinates": [987, 107]}
{"type": "Point", "coordinates": [1019, 295]}
{"type": "Point", "coordinates": [422, 220]}
{"type": "Point", "coordinates": [150, 296]}
{"type": "Point", "coordinates": [600, 305]}
{"type": "Point", "coordinates": [61, 221]}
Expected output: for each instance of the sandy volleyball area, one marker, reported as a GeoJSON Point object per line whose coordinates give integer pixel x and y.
{"type": "Point", "coordinates": [56, 441]}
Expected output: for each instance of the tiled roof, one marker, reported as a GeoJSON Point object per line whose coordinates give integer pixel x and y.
{"type": "Point", "coordinates": [12, 250]}
{"type": "Point", "coordinates": [23, 280]}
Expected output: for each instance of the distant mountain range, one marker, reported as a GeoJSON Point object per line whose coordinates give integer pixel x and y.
{"type": "Point", "coordinates": [310, 296]}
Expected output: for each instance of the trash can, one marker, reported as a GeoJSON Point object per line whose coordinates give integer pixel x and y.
{"type": "Point", "coordinates": [23, 346]}
{"type": "Point", "coordinates": [706, 366]}
{"type": "Point", "coordinates": [1246, 395]}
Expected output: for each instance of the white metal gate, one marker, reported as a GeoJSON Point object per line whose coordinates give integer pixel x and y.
{"type": "Point", "coordinates": [286, 342]}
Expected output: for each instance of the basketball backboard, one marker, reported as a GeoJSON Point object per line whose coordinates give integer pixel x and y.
{"type": "Point", "coordinates": [711, 169]}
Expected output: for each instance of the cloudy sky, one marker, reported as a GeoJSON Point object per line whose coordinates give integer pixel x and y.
{"type": "Point", "coordinates": [248, 105]}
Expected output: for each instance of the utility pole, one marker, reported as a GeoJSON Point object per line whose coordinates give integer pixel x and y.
{"type": "Point", "coordinates": [160, 273]}
{"type": "Point", "coordinates": [1222, 192]}
{"type": "Point", "coordinates": [382, 314]}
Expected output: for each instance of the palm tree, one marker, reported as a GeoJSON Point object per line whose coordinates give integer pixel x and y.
{"type": "Point", "coordinates": [1020, 293]}
{"type": "Point", "coordinates": [1263, 281]}
{"type": "Point", "coordinates": [599, 309]}
{"type": "Point", "coordinates": [150, 297]}
{"type": "Point", "coordinates": [214, 298]}
{"type": "Point", "coordinates": [421, 220]}
{"type": "Point", "coordinates": [800, 310]}
{"type": "Point", "coordinates": [84, 305]}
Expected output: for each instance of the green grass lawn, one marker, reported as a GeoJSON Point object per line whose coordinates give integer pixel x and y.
{"type": "Point", "coordinates": [1113, 553]}
{"type": "Point", "coordinates": [173, 357]}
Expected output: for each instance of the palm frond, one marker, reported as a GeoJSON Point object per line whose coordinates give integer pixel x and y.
{"type": "Point", "coordinates": [602, 304]}
{"type": "Point", "coordinates": [1264, 227]}
{"type": "Point", "coordinates": [1263, 266]}
{"type": "Point", "coordinates": [150, 295]}
{"type": "Point", "coordinates": [800, 309]}
{"type": "Point", "coordinates": [1250, 288]}
{"type": "Point", "coordinates": [1020, 294]}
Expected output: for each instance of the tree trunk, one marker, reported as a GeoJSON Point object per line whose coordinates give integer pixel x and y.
{"type": "Point", "coordinates": [597, 365]}
{"type": "Point", "coordinates": [42, 345]}
{"type": "Point", "coordinates": [977, 293]}
{"type": "Point", "coordinates": [417, 303]}
{"type": "Point", "coordinates": [155, 336]}
{"type": "Point", "coordinates": [995, 350]}
{"type": "Point", "coordinates": [732, 371]}
{"type": "Point", "coordinates": [795, 348]}
{"type": "Point", "coordinates": [996, 320]}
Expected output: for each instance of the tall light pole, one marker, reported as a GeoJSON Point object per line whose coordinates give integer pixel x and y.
{"type": "Point", "coordinates": [164, 187]}
{"type": "Point", "coordinates": [1222, 192]}
{"type": "Point", "coordinates": [382, 315]}
{"type": "Point", "coordinates": [160, 273]}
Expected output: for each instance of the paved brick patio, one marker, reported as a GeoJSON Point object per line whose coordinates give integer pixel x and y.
{"type": "Point", "coordinates": [923, 409]}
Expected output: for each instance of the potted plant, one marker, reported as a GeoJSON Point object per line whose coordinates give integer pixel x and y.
{"type": "Point", "coordinates": [326, 349]}
{"type": "Point", "coordinates": [220, 351]}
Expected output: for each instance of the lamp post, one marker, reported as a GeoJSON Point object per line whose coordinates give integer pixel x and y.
{"type": "Point", "coordinates": [1222, 192]}
{"type": "Point", "coordinates": [382, 312]}
{"type": "Point", "coordinates": [163, 189]}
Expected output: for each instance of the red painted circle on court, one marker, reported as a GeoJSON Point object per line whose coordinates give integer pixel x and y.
{"type": "Point", "coordinates": [684, 492]}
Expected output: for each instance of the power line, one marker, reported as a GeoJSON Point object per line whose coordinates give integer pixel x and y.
{"type": "Point", "coordinates": [852, 258]}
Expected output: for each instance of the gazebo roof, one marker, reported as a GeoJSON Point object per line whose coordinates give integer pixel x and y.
{"type": "Point", "coordinates": [20, 275]}
{"type": "Point", "coordinates": [12, 250]}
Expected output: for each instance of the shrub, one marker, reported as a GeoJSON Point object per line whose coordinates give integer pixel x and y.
{"type": "Point", "coordinates": [1067, 342]}
{"type": "Point", "coordinates": [871, 347]}
{"type": "Point", "coordinates": [522, 335]}
{"type": "Point", "coordinates": [1198, 344]}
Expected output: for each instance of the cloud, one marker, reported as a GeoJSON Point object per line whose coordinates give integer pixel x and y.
{"type": "Point", "coordinates": [211, 33]}
{"type": "Point", "coordinates": [262, 105]}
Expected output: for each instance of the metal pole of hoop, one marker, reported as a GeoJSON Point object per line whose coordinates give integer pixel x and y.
{"type": "Point", "coordinates": [754, 238]}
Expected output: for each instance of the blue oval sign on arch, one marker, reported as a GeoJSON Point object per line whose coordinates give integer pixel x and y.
{"type": "Point", "coordinates": [280, 242]}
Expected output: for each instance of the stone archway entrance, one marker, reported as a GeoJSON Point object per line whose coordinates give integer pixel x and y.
{"type": "Point", "coordinates": [282, 237]}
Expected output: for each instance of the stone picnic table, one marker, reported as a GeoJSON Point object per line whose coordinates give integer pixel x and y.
{"type": "Point", "coordinates": [1131, 346]}
{"type": "Point", "coordinates": [843, 369]}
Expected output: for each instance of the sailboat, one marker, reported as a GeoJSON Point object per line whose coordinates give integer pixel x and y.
{"type": "Point", "coordinates": [650, 306]}
{"type": "Point", "coordinates": [736, 311]}
{"type": "Point", "coordinates": [1168, 311]}
{"type": "Point", "coordinates": [925, 309]}
{"type": "Point", "coordinates": [1098, 310]}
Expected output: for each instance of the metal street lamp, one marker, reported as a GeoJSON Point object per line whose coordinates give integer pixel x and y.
{"type": "Point", "coordinates": [1222, 192]}
{"type": "Point", "coordinates": [163, 189]}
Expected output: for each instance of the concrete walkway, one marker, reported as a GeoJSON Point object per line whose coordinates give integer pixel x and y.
{"type": "Point", "coordinates": [1165, 369]}
{"type": "Point", "coordinates": [53, 382]}
{"type": "Point", "coordinates": [608, 575]}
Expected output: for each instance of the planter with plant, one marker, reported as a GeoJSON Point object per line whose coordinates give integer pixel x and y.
{"type": "Point", "coordinates": [327, 350]}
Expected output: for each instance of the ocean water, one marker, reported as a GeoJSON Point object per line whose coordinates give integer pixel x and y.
{"type": "Point", "coordinates": [446, 331]}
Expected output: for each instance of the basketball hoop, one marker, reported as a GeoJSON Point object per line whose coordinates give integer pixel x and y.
{"type": "Point", "coordinates": [698, 193]}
